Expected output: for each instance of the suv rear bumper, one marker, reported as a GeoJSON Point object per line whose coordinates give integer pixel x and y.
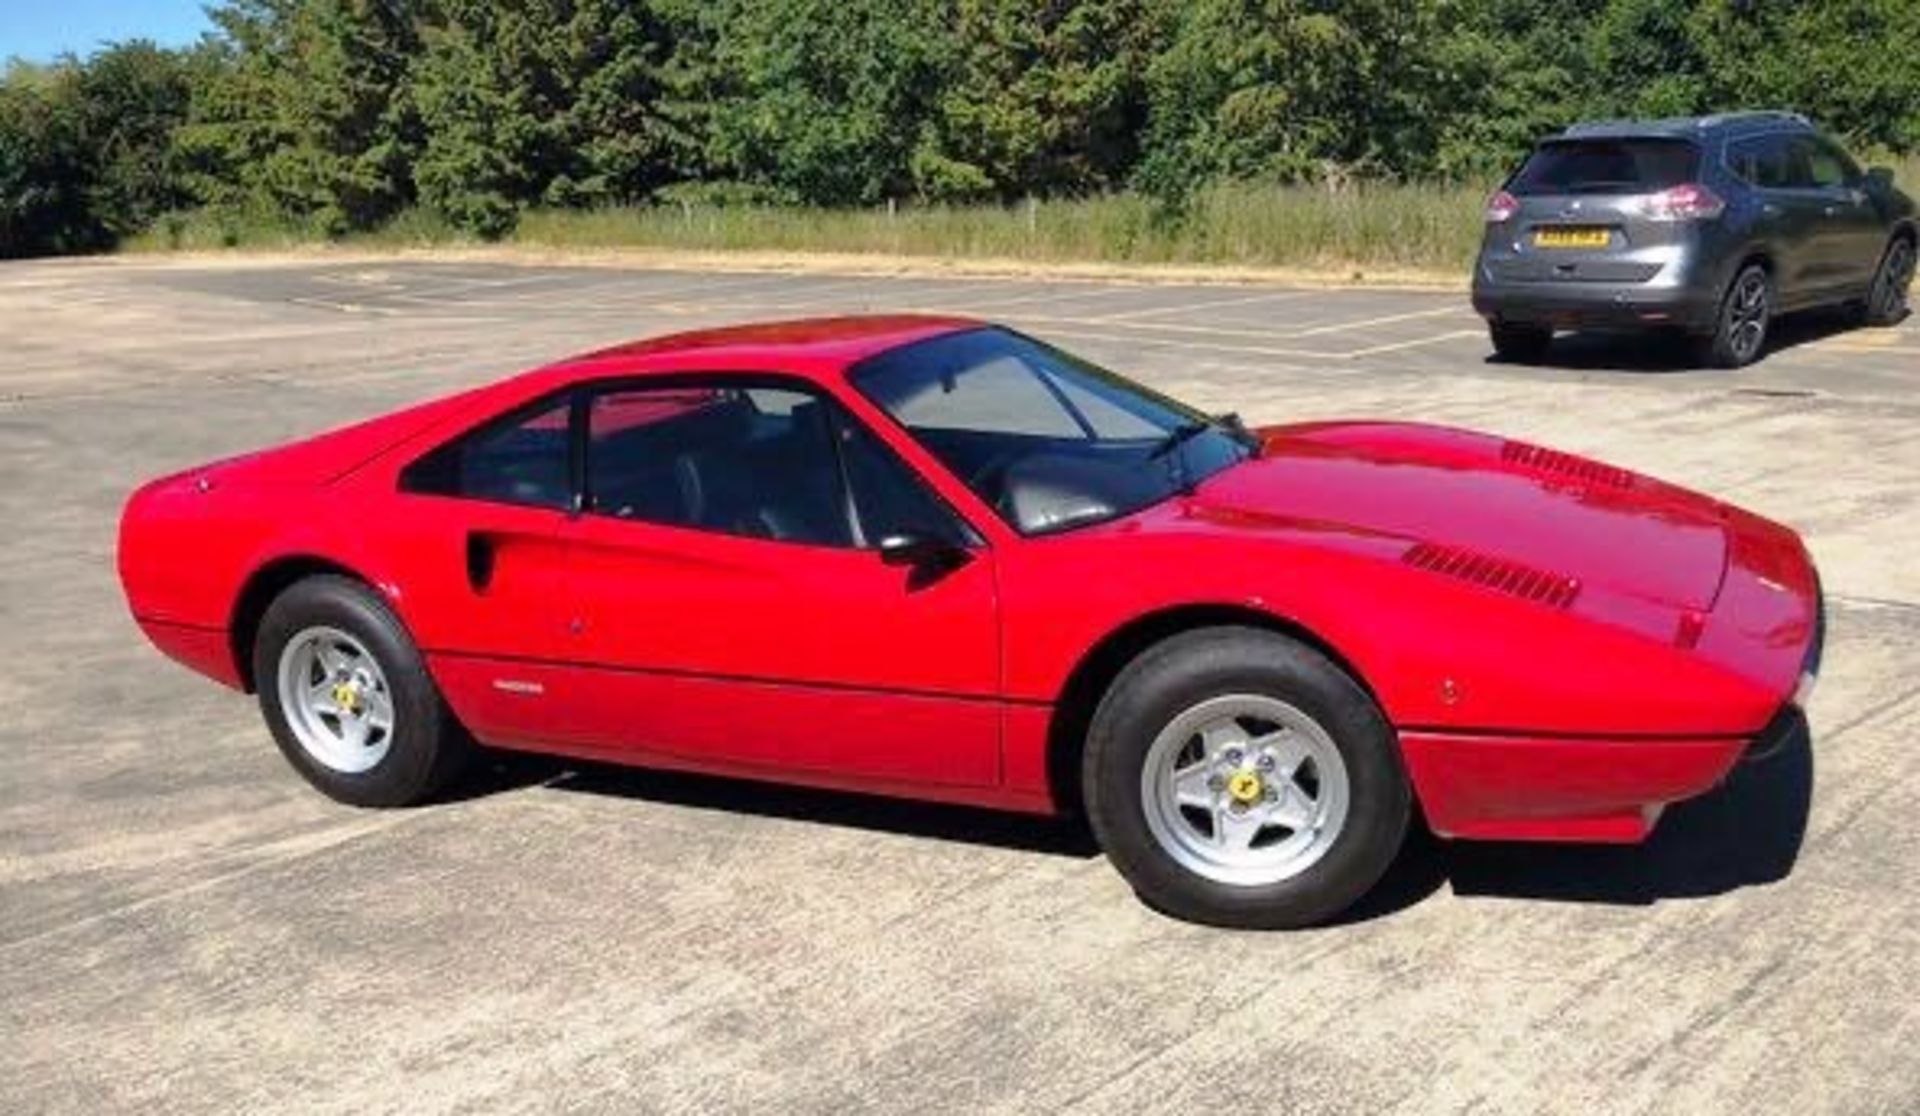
{"type": "Point", "coordinates": [1584, 305]}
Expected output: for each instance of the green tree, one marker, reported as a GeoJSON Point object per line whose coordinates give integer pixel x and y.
{"type": "Point", "coordinates": [1292, 89]}
{"type": "Point", "coordinates": [548, 102]}
{"type": "Point", "coordinates": [131, 97]}
{"type": "Point", "coordinates": [309, 119]}
{"type": "Point", "coordinates": [45, 164]}
{"type": "Point", "coordinates": [824, 101]}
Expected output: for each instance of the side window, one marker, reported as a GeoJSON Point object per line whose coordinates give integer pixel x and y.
{"type": "Point", "coordinates": [1764, 161]}
{"type": "Point", "coordinates": [1826, 167]}
{"type": "Point", "coordinates": [520, 460]}
{"type": "Point", "coordinates": [888, 497]}
{"type": "Point", "coordinates": [758, 462]}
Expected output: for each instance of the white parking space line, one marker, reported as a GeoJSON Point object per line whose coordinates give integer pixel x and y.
{"type": "Point", "coordinates": [344, 307]}
{"type": "Point", "coordinates": [1363, 323]}
{"type": "Point", "coordinates": [1078, 330]}
{"type": "Point", "coordinates": [995, 303]}
{"type": "Point", "coordinates": [1861, 340]}
{"type": "Point", "coordinates": [1210, 305]}
{"type": "Point", "coordinates": [1417, 342]}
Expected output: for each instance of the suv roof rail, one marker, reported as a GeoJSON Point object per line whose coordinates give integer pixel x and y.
{"type": "Point", "coordinates": [1755, 116]}
{"type": "Point", "coordinates": [1674, 124]}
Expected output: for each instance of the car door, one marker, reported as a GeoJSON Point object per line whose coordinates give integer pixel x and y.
{"type": "Point", "coordinates": [729, 605]}
{"type": "Point", "coordinates": [479, 554]}
{"type": "Point", "coordinates": [1789, 218]}
{"type": "Point", "coordinates": [1850, 235]}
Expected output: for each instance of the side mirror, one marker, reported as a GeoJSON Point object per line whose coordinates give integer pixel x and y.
{"type": "Point", "coordinates": [925, 556]}
{"type": "Point", "coordinates": [1880, 178]}
{"type": "Point", "coordinates": [920, 549]}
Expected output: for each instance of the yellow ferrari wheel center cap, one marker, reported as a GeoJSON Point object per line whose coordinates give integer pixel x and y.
{"type": "Point", "coordinates": [346, 696]}
{"type": "Point", "coordinates": [1245, 786]}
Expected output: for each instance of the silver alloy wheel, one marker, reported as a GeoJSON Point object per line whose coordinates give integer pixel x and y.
{"type": "Point", "coordinates": [1748, 309]}
{"type": "Point", "coordinates": [1244, 789]}
{"type": "Point", "coordinates": [1890, 294]}
{"type": "Point", "coordinates": [336, 700]}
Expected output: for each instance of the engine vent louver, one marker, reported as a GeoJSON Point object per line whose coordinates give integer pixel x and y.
{"type": "Point", "coordinates": [1540, 459]}
{"type": "Point", "coordinates": [1498, 574]}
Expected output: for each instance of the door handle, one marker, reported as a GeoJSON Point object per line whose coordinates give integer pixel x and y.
{"type": "Point", "coordinates": [480, 555]}
{"type": "Point", "coordinates": [1832, 211]}
{"type": "Point", "coordinates": [1768, 209]}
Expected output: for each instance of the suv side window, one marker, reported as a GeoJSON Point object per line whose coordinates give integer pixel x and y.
{"type": "Point", "coordinates": [1763, 161]}
{"type": "Point", "coordinates": [521, 459]}
{"type": "Point", "coordinates": [1827, 166]}
{"type": "Point", "coordinates": [740, 460]}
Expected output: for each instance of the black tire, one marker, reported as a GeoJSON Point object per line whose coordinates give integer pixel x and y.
{"type": "Point", "coordinates": [427, 747]}
{"type": "Point", "coordinates": [1179, 673]}
{"type": "Point", "coordinates": [1520, 344]}
{"type": "Point", "coordinates": [1741, 326]}
{"type": "Point", "coordinates": [1887, 297]}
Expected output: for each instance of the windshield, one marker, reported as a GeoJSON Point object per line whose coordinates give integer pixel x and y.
{"type": "Point", "coordinates": [1605, 166]}
{"type": "Point", "coordinates": [1048, 440]}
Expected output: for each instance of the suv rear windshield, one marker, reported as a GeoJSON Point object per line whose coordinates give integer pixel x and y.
{"type": "Point", "coordinates": [1605, 166]}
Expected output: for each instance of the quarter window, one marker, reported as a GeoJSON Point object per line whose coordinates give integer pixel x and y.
{"type": "Point", "coordinates": [520, 460]}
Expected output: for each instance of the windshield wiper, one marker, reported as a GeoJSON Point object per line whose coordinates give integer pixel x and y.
{"type": "Point", "coordinates": [1228, 424]}
{"type": "Point", "coordinates": [1177, 437]}
{"type": "Point", "coordinates": [1234, 427]}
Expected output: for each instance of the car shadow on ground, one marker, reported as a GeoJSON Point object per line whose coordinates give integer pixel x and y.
{"type": "Point", "coordinates": [1052, 836]}
{"type": "Point", "coordinates": [1745, 833]}
{"type": "Point", "coordinates": [1668, 351]}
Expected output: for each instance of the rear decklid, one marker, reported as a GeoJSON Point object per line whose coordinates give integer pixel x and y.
{"type": "Point", "coordinates": [329, 455]}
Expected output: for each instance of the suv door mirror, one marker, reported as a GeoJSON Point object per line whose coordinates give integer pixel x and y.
{"type": "Point", "coordinates": [1879, 178]}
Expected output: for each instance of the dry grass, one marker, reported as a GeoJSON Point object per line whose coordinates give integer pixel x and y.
{"type": "Point", "coordinates": [1367, 228]}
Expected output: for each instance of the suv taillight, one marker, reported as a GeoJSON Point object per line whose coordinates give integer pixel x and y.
{"type": "Point", "coordinates": [1501, 207]}
{"type": "Point", "coordinates": [1687, 202]}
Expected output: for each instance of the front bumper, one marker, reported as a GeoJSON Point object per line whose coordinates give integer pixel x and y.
{"type": "Point", "coordinates": [1543, 788]}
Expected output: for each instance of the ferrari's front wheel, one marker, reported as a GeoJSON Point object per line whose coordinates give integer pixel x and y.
{"type": "Point", "coordinates": [1238, 777]}
{"type": "Point", "coordinates": [348, 699]}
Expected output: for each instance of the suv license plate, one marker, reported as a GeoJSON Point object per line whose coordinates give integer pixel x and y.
{"type": "Point", "coordinates": [1571, 238]}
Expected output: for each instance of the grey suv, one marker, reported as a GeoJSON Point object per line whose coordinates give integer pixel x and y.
{"type": "Point", "coordinates": [1712, 224]}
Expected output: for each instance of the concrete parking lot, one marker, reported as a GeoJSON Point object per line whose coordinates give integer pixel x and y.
{"type": "Point", "coordinates": [184, 926]}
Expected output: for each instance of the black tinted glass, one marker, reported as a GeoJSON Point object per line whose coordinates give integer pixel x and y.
{"type": "Point", "coordinates": [1764, 161]}
{"type": "Point", "coordinates": [1605, 166]}
{"type": "Point", "coordinates": [520, 461]}
{"type": "Point", "coordinates": [888, 499]}
{"type": "Point", "coordinates": [758, 462]}
{"type": "Point", "coordinates": [1046, 439]}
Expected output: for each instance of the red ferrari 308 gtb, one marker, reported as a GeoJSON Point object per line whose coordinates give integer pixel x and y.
{"type": "Point", "coordinates": [933, 558]}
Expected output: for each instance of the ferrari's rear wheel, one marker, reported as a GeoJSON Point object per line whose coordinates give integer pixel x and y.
{"type": "Point", "coordinates": [348, 698]}
{"type": "Point", "coordinates": [1238, 777]}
